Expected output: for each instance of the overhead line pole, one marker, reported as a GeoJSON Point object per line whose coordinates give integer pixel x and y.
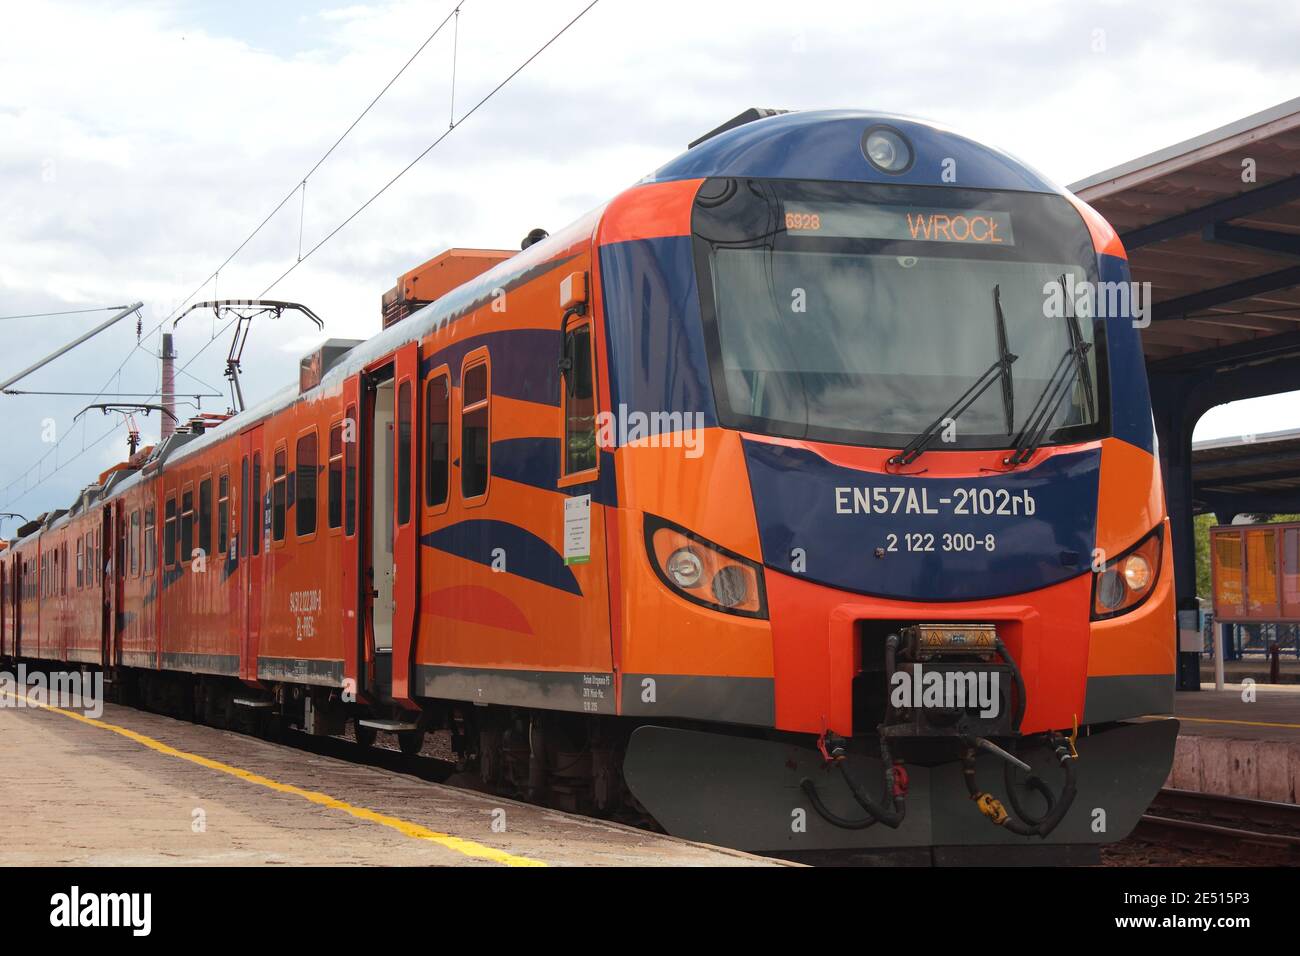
{"type": "Point", "coordinates": [128, 310]}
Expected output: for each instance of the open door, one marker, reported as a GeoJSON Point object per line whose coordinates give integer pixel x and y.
{"type": "Point", "coordinates": [254, 531]}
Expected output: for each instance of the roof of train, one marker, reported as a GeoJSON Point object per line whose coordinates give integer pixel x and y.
{"type": "Point", "coordinates": [827, 144]}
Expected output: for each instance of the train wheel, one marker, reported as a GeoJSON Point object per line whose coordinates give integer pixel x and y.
{"type": "Point", "coordinates": [411, 742]}
{"type": "Point", "coordinates": [365, 735]}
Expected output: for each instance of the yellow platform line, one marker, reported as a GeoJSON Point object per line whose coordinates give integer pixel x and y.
{"type": "Point", "coordinates": [1239, 723]}
{"type": "Point", "coordinates": [413, 830]}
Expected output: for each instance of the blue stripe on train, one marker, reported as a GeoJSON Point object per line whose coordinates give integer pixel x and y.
{"type": "Point", "coordinates": [525, 554]}
{"type": "Point", "coordinates": [536, 462]}
{"type": "Point", "coordinates": [795, 498]}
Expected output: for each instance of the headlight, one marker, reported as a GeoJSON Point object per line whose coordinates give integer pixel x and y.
{"type": "Point", "coordinates": [685, 568]}
{"type": "Point", "coordinates": [1125, 582]}
{"type": "Point", "coordinates": [703, 572]}
{"type": "Point", "coordinates": [886, 149]}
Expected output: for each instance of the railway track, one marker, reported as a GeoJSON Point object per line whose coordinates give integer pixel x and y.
{"type": "Point", "coordinates": [1263, 830]}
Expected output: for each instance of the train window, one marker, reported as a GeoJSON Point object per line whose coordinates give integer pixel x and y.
{"type": "Point", "coordinates": [579, 402]}
{"type": "Point", "coordinates": [169, 532]}
{"type": "Point", "coordinates": [187, 525]}
{"type": "Point", "coordinates": [279, 494]}
{"type": "Point", "coordinates": [256, 505]}
{"type": "Point", "coordinates": [304, 507]}
{"type": "Point", "coordinates": [150, 542]}
{"type": "Point", "coordinates": [334, 493]}
{"type": "Point", "coordinates": [243, 507]}
{"type": "Point", "coordinates": [350, 471]}
{"type": "Point", "coordinates": [135, 543]}
{"type": "Point", "coordinates": [474, 432]}
{"type": "Point", "coordinates": [223, 511]}
{"type": "Point", "coordinates": [404, 452]}
{"type": "Point", "coordinates": [81, 565]}
{"type": "Point", "coordinates": [205, 516]}
{"type": "Point", "coordinates": [437, 440]}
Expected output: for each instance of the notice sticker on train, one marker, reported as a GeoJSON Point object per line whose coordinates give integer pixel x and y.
{"type": "Point", "coordinates": [976, 227]}
{"type": "Point", "coordinates": [577, 529]}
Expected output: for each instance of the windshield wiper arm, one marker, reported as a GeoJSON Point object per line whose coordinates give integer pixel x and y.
{"type": "Point", "coordinates": [1001, 369]}
{"type": "Point", "coordinates": [1008, 388]}
{"type": "Point", "coordinates": [1071, 367]}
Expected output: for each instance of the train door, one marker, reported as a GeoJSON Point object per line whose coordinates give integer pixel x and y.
{"type": "Point", "coordinates": [377, 541]}
{"type": "Point", "coordinates": [6, 626]}
{"type": "Point", "coordinates": [352, 616]}
{"type": "Point", "coordinates": [254, 523]}
{"type": "Point", "coordinates": [406, 517]}
{"type": "Point", "coordinates": [113, 535]}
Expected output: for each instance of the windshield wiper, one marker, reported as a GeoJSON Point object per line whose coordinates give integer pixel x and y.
{"type": "Point", "coordinates": [1001, 369]}
{"type": "Point", "coordinates": [1072, 367]}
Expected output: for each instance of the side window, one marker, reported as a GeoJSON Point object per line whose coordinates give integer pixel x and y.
{"type": "Point", "coordinates": [169, 532]}
{"type": "Point", "coordinates": [256, 504]}
{"type": "Point", "coordinates": [304, 507]}
{"type": "Point", "coordinates": [334, 478]}
{"type": "Point", "coordinates": [404, 415]}
{"type": "Point", "coordinates": [134, 546]}
{"type": "Point", "coordinates": [187, 525]}
{"type": "Point", "coordinates": [350, 471]}
{"type": "Point", "coordinates": [474, 432]}
{"type": "Point", "coordinates": [279, 495]}
{"type": "Point", "coordinates": [81, 563]}
{"type": "Point", "coordinates": [150, 542]}
{"type": "Point", "coordinates": [437, 440]}
{"type": "Point", "coordinates": [579, 402]}
{"type": "Point", "coordinates": [223, 511]}
{"type": "Point", "coordinates": [205, 516]}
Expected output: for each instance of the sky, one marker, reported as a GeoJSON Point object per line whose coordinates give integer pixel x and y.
{"type": "Point", "coordinates": [141, 143]}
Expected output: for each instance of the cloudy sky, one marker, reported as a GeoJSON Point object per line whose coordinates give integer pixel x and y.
{"type": "Point", "coordinates": [141, 142]}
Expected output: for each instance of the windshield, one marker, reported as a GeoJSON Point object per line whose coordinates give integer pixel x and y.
{"type": "Point", "coordinates": [826, 319]}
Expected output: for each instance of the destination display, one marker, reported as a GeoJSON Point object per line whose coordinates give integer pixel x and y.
{"type": "Point", "coordinates": [983, 227]}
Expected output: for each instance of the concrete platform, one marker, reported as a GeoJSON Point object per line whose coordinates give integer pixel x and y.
{"type": "Point", "coordinates": [1232, 745]}
{"type": "Point", "coordinates": [139, 789]}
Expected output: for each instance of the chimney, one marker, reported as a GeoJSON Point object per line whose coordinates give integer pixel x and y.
{"type": "Point", "coordinates": [168, 386]}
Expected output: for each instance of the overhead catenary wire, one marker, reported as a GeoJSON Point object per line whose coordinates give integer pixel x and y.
{"type": "Point", "coordinates": [42, 315]}
{"type": "Point", "coordinates": [301, 184]}
{"type": "Point", "coordinates": [428, 149]}
{"type": "Point", "coordinates": [454, 14]}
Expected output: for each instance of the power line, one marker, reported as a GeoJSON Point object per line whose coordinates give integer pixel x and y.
{"type": "Point", "coordinates": [454, 124]}
{"type": "Point", "coordinates": [42, 315]}
{"type": "Point", "coordinates": [302, 182]}
{"type": "Point", "coordinates": [22, 391]}
{"type": "Point", "coordinates": [60, 467]}
{"type": "Point", "coordinates": [428, 149]}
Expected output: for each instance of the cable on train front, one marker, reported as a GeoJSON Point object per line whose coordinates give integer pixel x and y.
{"type": "Point", "coordinates": [894, 559]}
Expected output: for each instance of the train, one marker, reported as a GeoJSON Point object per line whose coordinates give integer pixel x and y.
{"type": "Point", "coordinates": [796, 498]}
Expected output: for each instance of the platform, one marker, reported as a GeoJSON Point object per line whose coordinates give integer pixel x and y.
{"type": "Point", "coordinates": [134, 788]}
{"type": "Point", "coordinates": [1229, 745]}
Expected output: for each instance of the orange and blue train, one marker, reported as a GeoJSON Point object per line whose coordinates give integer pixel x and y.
{"type": "Point", "coordinates": [797, 498]}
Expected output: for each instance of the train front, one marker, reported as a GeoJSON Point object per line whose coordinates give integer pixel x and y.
{"type": "Point", "coordinates": [909, 582]}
